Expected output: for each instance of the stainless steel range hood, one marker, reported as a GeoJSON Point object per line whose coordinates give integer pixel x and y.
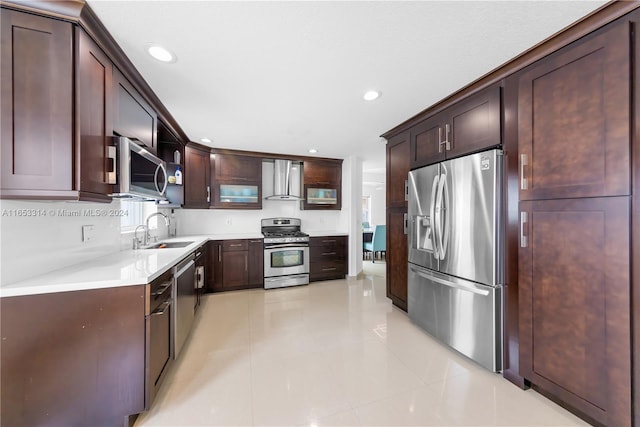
{"type": "Point", "coordinates": [282, 181]}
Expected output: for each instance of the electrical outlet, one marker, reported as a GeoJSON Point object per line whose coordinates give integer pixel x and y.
{"type": "Point", "coordinates": [229, 221]}
{"type": "Point", "coordinates": [88, 233]}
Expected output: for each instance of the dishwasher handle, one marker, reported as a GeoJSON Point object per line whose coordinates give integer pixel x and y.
{"type": "Point", "coordinates": [179, 269]}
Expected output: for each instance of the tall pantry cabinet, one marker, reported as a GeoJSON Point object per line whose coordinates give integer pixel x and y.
{"type": "Point", "coordinates": [398, 149]}
{"type": "Point", "coordinates": [574, 146]}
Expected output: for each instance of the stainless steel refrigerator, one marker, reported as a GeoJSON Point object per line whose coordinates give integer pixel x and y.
{"type": "Point", "coordinates": [455, 254]}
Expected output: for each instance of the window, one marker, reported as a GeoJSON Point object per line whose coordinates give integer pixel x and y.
{"type": "Point", "coordinates": [136, 213]}
{"type": "Point", "coordinates": [366, 211]}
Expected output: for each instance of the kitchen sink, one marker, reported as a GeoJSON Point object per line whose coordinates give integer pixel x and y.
{"type": "Point", "coordinates": [169, 245]}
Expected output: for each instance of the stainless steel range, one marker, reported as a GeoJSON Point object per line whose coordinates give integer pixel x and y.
{"type": "Point", "coordinates": [286, 253]}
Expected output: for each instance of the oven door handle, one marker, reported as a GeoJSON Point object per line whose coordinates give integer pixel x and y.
{"type": "Point", "coordinates": [287, 245]}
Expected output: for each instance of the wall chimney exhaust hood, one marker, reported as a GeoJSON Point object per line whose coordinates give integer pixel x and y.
{"type": "Point", "coordinates": [282, 176]}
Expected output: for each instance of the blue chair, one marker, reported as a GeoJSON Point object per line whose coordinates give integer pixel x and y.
{"type": "Point", "coordinates": [378, 242]}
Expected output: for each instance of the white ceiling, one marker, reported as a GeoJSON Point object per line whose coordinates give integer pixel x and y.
{"type": "Point", "coordinates": [284, 77]}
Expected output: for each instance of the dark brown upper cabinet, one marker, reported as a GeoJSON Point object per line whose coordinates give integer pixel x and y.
{"type": "Point", "coordinates": [574, 120]}
{"type": "Point", "coordinates": [468, 126]}
{"type": "Point", "coordinates": [94, 101]}
{"type": "Point", "coordinates": [236, 181]}
{"type": "Point", "coordinates": [398, 149]}
{"type": "Point", "coordinates": [134, 117]}
{"type": "Point", "coordinates": [197, 190]}
{"type": "Point", "coordinates": [322, 185]}
{"type": "Point", "coordinates": [426, 142]}
{"type": "Point", "coordinates": [48, 151]}
{"type": "Point", "coordinates": [37, 106]}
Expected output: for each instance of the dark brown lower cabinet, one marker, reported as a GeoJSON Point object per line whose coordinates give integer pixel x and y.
{"type": "Point", "coordinates": [235, 264]}
{"type": "Point", "coordinates": [574, 278]}
{"type": "Point", "coordinates": [397, 257]}
{"type": "Point", "coordinates": [256, 263]}
{"type": "Point", "coordinates": [158, 343]}
{"type": "Point", "coordinates": [235, 268]}
{"type": "Point", "coordinates": [328, 257]}
{"type": "Point", "coordinates": [73, 358]}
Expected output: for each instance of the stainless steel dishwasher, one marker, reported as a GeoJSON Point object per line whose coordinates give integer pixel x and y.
{"type": "Point", "coordinates": [184, 297]}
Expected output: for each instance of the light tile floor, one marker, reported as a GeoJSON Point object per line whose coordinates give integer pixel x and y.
{"type": "Point", "coordinates": [331, 353]}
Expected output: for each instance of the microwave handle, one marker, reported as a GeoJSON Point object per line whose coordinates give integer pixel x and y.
{"type": "Point", "coordinates": [112, 177]}
{"type": "Point", "coordinates": [155, 179]}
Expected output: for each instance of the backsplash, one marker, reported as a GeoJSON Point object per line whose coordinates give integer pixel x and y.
{"type": "Point", "coordinates": [216, 221]}
{"type": "Point", "coordinates": [38, 237]}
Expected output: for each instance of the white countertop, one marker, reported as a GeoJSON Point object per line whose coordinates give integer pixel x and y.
{"type": "Point", "coordinates": [125, 268]}
{"type": "Point", "coordinates": [326, 233]}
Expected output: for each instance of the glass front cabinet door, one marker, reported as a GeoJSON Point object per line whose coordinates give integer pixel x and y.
{"type": "Point", "coordinates": [237, 196]}
{"type": "Point", "coordinates": [321, 198]}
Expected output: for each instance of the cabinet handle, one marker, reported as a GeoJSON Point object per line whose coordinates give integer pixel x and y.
{"type": "Point", "coordinates": [329, 269]}
{"type": "Point", "coordinates": [523, 235]}
{"type": "Point", "coordinates": [246, 263]}
{"type": "Point", "coordinates": [161, 309]}
{"type": "Point", "coordinates": [405, 223]}
{"type": "Point", "coordinates": [440, 142]}
{"type": "Point", "coordinates": [111, 167]}
{"type": "Point", "coordinates": [406, 190]}
{"type": "Point", "coordinates": [328, 241]}
{"type": "Point", "coordinates": [208, 194]}
{"type": "Point", "coordinates": [447, 142]}
{"type": "Point", "coordinates": [524, 185]}
{"type": "Point", "coordinates": [328, 253]}
{"type": "Point", "coordinates": [162, 289]}
{"type": "Point", "coordinates": [219, 253]}
{"type": "Point", "coordinates": [235, 245]}
{"type": "Point", "coordinates": [239, 179]}
{"type": "Point", "coordinates": [255, 241]}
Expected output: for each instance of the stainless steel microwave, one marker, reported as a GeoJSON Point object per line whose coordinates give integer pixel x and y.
{"type": "Point", "coordinates": [139, 173]}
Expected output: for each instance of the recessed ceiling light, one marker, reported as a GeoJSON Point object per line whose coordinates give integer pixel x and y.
{"type": "Point", "coordinates": [205, 140]}
{"type": "Point", "coordinates": [161, 53]}
{"type": "Point", "coordinates": [371, 95]}
{"type": "Point", "coordinates": [313, 150]}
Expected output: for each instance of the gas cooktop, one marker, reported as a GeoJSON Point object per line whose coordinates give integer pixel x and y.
{"type": "Point", "coordinates": [282, 230]}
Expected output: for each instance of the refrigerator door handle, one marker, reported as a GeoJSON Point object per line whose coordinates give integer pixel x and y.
{"type": "Point", "coordinates": [432, 217]}
{"type": "Point", "coordinates": [448, 283]}
{"type": "Point", "coordinates": [441, 248]}
{"type": "Point", "coordinates": [444, 223]}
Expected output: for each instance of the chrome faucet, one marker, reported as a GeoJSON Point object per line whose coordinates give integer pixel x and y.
{"type": "Point", "coordinates": [137, 243]}
{"type": "Point", "coordinates": [146, 223]}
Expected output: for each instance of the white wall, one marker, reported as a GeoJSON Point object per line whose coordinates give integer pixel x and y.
{"type": "Point", "coordinates": [352, 209]}
{"type": "Point", "coordinates": [377, 193]}
{"type": "Point", "coordinates": [38, 237]}
{"type": "Point", "coordinates": [373, 185]}
{"type": "Point", "coordinates": [215, 221]}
